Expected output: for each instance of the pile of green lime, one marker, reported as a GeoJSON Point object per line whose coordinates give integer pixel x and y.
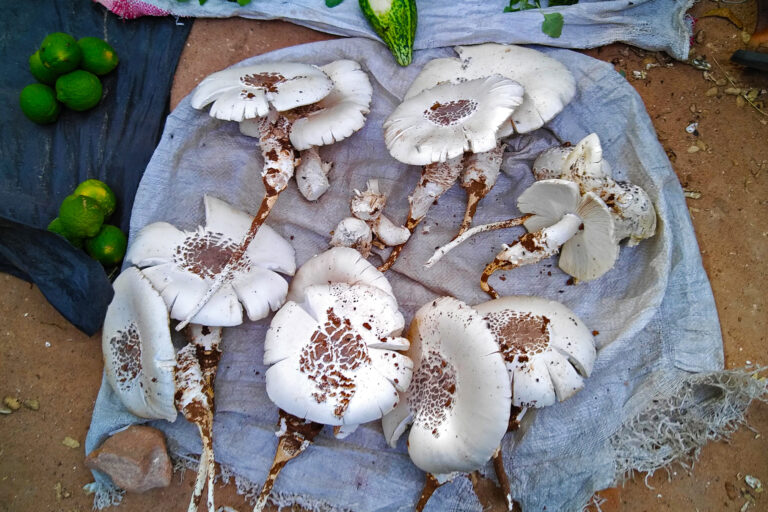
{"type": "Point", "coordinates": [70, 67]}
{"type": "Point", "coordinates": [81, 221]}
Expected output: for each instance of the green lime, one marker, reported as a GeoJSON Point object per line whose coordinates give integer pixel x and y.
{"type": "Point", "coordinates": [57, 227]}
{"type": "Point", "coordinates": [107, 247]}
{"type": "Point", "coordinates": [81, 216]}
{"type": "Point", "coordinates": [79, 90]}
{"type": "Point", "coordinates": [98, 56]}
{"type": "Point", "coordinates": [40, 72]}
{"type": "Point", "coordinates": [59, 53]}
{"type": "Point", "coordinates": [38, 102]}
{"type": "Point", "coordinates": [99, 191]}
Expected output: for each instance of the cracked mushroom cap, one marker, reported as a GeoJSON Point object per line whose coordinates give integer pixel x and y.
{"type": "Point", "coordinates": [548, 84]}
{"type": "Point", "coordinates": [547, 349]}
{"type": "Point", "coordinates": [335, 352]}
{"type": "Point", "coordinates": [593, 250]}
{"type": "Point", "coordinates": [182, 265]}
{"type": "Point", "coordinates": [139, 357]}
{"type": "Point", "coordinates": [459, 397]}
{"type": "Point", "coordinates": [337, 265]}
{"type": "Point", "coordinates": [247, 92]}
{"type": "Point", "coordinates": [634, 214]}
{"type": "Point", "coordinates": [449, 119]}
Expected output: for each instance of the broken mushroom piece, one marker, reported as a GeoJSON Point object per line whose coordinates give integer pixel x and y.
{"type": "Point", "coordinates": [333, 349]}
{"type": "Point", "coordinates": [583, 163]}
{"type": "Point", "coordinates": [549, 86]}
{"type": "Point", "coordinates": [560, 217]}
{"type": "Point", "coordinates": [182, 265]}
{"type": "Point", "coordinates": [332, 119]}
{"type": "Point", "coordinates": [263, 91]}
{"type": "Point", "coordinates": [548, 352]}
{"type": "Point", "coordinates": [459, 397]}
{"type": "Point", "coordinates": [436, 127]}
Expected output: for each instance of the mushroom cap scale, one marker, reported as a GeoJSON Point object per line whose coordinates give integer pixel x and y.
{"type": "Point", "coordinates": [330, 356]}
{"type": "Point", "coordinates": [459, 397]}
{"type": "Point", "coordinates": [181, 265]}
{"type": "Point", "coordinates": [449, 119]}
{"type": "Point", "coordinates": [247, 92]}
{"type": "Point", "coordinates": [548, 350]}
{"type": "Point", "coordinates": [139, 357]}
{"type": "Point", "coordinates": [549, 85]}
{"type": "Point", "coordinates": [336, 265]}
{"type": "Point", "coordinates": [593, 250]}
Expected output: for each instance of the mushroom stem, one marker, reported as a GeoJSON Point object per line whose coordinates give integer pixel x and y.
{"type": "Point", "coordinates": [501, 476]}
{"type": "Point", "coordinates": [442, 251]}
{"type": "Point", "coordinates": [436, 178]}
{"type": "Point", "coordinates": [531, 247]}
{"type": "Point", "coordinates": [295, 436]}
{"type": "Point", "coordinates": [279, 166]}
{"type": "Point", "coordinates": [481, 170]}
{"type": "Point", "coordinates": [430, 486]}
{"type": "Point", "coordinates": [194, 402]}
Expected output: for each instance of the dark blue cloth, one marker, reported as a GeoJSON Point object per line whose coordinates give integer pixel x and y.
{"type": "Point", "coordinates": [41, 165]}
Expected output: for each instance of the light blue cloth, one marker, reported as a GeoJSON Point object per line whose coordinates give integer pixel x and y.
{"type": "Point", "coordinates": [649, 24]}
{"type": "Point", "coordinates": [654, 311]}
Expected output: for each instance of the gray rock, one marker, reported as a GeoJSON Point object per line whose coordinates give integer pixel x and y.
{"type": "Point", "coordinates": [136, 459]}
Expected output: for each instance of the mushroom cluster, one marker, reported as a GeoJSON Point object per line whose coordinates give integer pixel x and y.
{"type": "Point", "coordinates": [458, 110]}
{"type": "Point", "coordinates": [170, 270]}
{"type": "Point", "coordinates": [334, 351]}
{"type": "Point", "coordinates": [289, 107]}
{"type": "Point", "coordinates": [576, 209]}
{"type": "Point", "coordinates": [472, 366]}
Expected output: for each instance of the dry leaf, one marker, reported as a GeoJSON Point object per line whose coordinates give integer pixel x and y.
{"type": "Point", "coordinates": [724, 12]}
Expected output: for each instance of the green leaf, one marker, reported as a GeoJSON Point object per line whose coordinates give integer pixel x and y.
{"type": "Point", "coordinates": [243, 2]}
{"type": "Point", "coordinates": [555, 3]}
{"type": "Point", "coordinates": [553, 24]}
{"type": "Point", "coordinates": [522, 5]}
{"type": "Point", "coordinates": [332, 3]}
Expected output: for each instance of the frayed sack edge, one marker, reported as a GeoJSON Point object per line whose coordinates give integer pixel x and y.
{"type": "Point", "coordinates": [675, 426]}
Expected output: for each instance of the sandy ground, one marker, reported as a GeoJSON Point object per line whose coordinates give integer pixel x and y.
{"type": "Point", "coordinates": [42, 357]}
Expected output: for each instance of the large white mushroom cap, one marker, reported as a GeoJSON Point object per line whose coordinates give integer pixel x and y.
{"type": "Point", "coordinates": [547, 349]}
{"type": "Point", "coordinates": [449, 119]}
{"type": "Point", "coordinates": [139, 357]}
{"type": "Point", "coordinates": [182, 265]}
{"type": "Point", "coordinates": [334, 352]}
{"type": "Point", "coordinates": [583, 163]}
{"type": "Point", "coordinates": [247, 92]}
{"type": "Point", "coordinates": [459, 397]}
{"type": "Point", "coordinates": [593, 250]}
{"type": "Point", "coordinates": [548, 84]}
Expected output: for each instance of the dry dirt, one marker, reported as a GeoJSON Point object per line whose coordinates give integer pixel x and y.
{"type": "Point", "coordinates": [42, 357]}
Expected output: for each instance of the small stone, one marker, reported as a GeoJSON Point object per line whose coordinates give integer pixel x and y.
{"type": "Point", "coordinates": [754, 483]}
{"type": "Point", "coordinates": [740, 101]}
{"type": "Point", "coordinates": [5, 410]}
{"type": "Point", "coordinates": [32, 404]}
{"type": "Point", "coordinates": [712, 91]}
{"type": "Point", "coordinates": [745, 36]}
{"type": "Point", "coordinates": [12, 403]}
{"type": "Point", "coordinates": [700, 36]}
{"type": "Point", "coordinates": [733, 91]}
{"type": "Point", "coordinates": [721, 82]}
{"type": "Point", "coordinates": [702, 145]}
{"type": "Point", "coordinates": [70, 443]}
{"type": "Point", "coordinates": [694, 149]}
{"type": "Point", "coordinates": [692, 108]}
{"type": "Point", "coordinates": [136, 459]}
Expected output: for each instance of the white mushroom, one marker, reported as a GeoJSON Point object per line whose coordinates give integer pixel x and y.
{"type": "Point", "coordinates": [354, 233]}
{"type": "Point", "coordinates": [437, 126]}
{"type": "Point", "coordinates": [181, 266]}
{"type": "Point", "coordinates": [633, 211]}
{"type": "Point", "coordinates": [334, 347]}
{"type": "Point", "coordinates": [459, 397]}
{"type": "Point", "coordinates": [548, 351]}
{"type": "Point", "coordinates": [263, 92]}
{"type": "Point", "coordinates": [139, 357]}
{"type": "Point", "coordinates": [548, 85]}
{"type": "Point", "coordinates": [332, 119]}
{"type": "Point", "coordinates": [561, 217]}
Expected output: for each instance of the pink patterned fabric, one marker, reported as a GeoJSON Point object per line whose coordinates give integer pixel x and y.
{"type": "Point", "coordinates": [131, 9]}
